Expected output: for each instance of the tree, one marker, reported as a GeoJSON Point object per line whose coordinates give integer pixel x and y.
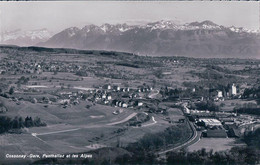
{"type": "Point", "coordinates": [28, 122]}
{"type": "Point", "coordinates": [11, 90]}
{"type": "Point", "coordinates": [15, 123]}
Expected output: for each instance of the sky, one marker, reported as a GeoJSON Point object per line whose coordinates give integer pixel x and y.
{"type": "Point", "coordinates": [59, 15]}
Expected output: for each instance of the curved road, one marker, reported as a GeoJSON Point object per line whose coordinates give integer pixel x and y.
{"type": "Point", "coordinates": [154, 122]}
{"type": "Point", "coordinates": [90, 126]}
{"type": "Point", "coordinates": [124, 120]}
{"type": "Point", "coordinates": [193, 139]}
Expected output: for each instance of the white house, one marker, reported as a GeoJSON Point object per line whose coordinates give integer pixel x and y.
{"type": "Point", "coordinates": [219, 94]}
{"type": "Point", "coordinates": [140, 104]}
{"type": "Point", "coordinates": [104, 96]}
{"type": "Point", "coordinates": [109, 97]}
{"type": "Point", "coordinates": [124, 105]}
{"type": "Point", "coordinates": [233, 90]}
{"type": "Point", "coordinates": [193, 90]}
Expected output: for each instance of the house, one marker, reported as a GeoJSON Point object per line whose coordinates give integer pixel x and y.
{"type": "Point", "coordinates": [139, 104]}
{"type": "Point", "coordinates": [193, 90]}
{"type": "Point", "coordinates": [104, 96]}
{"type": "Point", "coordinates": [107, 87]}
{"type": "Point", "coordinates": [233, 90]}
{"type": "Point", "coordinates": [124, 105]}
{"type": "Point", "coordinates": [120, 103]}
{"type": "Point", "coordinates": [116, 88]}
{"type": "Point", "coordinates": [219, 94]}
{"type": "Point", "coordinates": [109, 97]}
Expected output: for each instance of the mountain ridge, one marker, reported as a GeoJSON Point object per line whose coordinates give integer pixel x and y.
{"type": "Point", "coordinates": [161, 38]}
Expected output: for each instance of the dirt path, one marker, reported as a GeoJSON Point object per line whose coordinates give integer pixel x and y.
{"type": "Point", "coordinates": [149, 124]}
{"type": "Point", "coordinates": [124, 120]}
{"type": "Point", "coordinates": [47, 133]}
{"type": "Point", "coordinates": [90, 126]}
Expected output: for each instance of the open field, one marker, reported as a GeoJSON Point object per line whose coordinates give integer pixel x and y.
{"type": "Point", "coordinates": [75, 129]}
{"type": "Point", "coordinates": [216, 144]}
{"type": "Point", "coordinates": [229, 105]}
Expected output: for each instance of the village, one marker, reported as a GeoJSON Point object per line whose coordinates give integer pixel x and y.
{"type": "Point", "coordinates": [214, 124]}
{"type": "Point", "coordinates": [119, 100]}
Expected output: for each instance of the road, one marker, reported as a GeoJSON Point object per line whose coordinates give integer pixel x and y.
{"type": "Point", "coordinates": [193, 139]}
{"type": "Point", "coordinates": [124, 120]}
{"type": "Point", "coordinates": [90, 126]}
{"type": "Point", "coordinates": [47, 133]}
{"type": "Point", "coordinates": [154, 122]}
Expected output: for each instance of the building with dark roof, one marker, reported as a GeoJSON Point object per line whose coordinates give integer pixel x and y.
{"type": "Point", "coordinates": [217, 133]}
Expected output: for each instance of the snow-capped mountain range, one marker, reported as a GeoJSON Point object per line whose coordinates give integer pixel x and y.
{"type": "Point", "coordinates": [196, 39]}
{"type": "Point", "coordinates": [25, 38]}
{"type": "Point", "coordinates": [162, 25]}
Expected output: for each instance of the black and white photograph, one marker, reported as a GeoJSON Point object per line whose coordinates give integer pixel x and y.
{"type": "Point", "coordinates": [130, 82]}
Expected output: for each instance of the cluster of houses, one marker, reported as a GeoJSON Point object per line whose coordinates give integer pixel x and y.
{"type": "Point", "coordinates": [124, 97]}
{"type": "Point", "coordinates": [29, 67]}
{"type": "Point", "coordinates": [117, 96]}
{"type": "Point", "coordinates": [112, 95]}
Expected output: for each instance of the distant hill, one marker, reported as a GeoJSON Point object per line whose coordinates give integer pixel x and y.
{"type": "Point", "coordinates": [196, 39]}
{"type": "Point", "coordinates": [25, 38]}
{"type": "Point", "coordinates": [6, 48]}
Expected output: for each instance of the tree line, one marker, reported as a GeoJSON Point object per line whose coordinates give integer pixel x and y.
{"type": "Point", "coordinates": [7, 123]}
